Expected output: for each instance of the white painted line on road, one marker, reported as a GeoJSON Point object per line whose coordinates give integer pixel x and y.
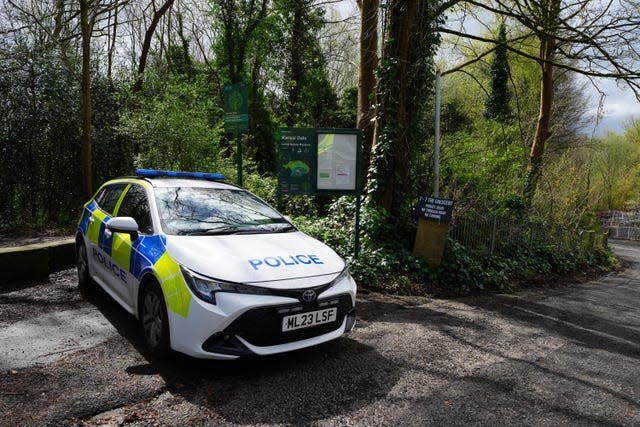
{"type": "Point", "coordinates": [51, 336]}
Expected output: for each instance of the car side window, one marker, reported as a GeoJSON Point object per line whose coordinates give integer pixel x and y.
{"type": "Point", "coordinates": [109, 196]}
{"type": "Point", "coordinates": [136, 205]}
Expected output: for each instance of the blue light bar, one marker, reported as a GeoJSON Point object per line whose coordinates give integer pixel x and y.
{"type": "Point", "coordinates": [177, 174]}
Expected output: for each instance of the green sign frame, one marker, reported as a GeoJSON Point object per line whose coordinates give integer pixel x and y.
{"type": "Point", "coordinates": [236, 108]}
{"type": "Point", "coordinates": [319, 161]}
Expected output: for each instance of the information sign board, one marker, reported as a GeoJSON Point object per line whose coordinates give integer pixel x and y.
{"type": "Point", "coordinates": [236, 108]}
{"type": "Point", "coordinates": [297, 148]}
{"type": "Point", "coordinates": [435, 208]}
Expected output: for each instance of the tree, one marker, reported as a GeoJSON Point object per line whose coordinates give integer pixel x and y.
{"type": "Point", "coordinates": [592, 38]}
{"type": "Point", "coordinates": [240, 57]}
{"type": "Point", "coordinates": [497, 104]}
{"type": "Point", "coordinates": [309, 98]}
{"type": "Point", "coordinates": [366, 77]}
{"type": "Point", "coordinates": [403, 91]}
{"type": "Point", "coordinates": [148, 36]}
{"type": "Point", "coordinates": [86, 24]}
{"type": "Point", "coordinates": [239, 22]}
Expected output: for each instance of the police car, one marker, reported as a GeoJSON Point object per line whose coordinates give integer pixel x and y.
{"type": "Point", "coordinates": [209, 269]}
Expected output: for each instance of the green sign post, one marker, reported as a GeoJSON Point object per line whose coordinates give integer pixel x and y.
{"type": "Point", "coordinates": [321, 161]}
{"type": "Point", "coordinates": [236, 117]}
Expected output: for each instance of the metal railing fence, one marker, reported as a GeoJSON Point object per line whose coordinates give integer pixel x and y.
{"type": "Point", "coordinates": [623, 225]}
{"type": "Point", "coordinates": [502, 235]}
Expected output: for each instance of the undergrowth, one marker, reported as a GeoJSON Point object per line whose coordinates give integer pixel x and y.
{"type": "Point", "coordinates": [386, 262]}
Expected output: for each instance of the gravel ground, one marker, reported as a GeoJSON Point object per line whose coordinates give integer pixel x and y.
{"type": "Point", "coordinates": [23, 300]}
{"type": "Point", "coordinates": [563, 356]}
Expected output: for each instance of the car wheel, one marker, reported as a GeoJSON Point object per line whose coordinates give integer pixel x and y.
{"type": "Point", "coordinates": [82, 264]}
{"type": "Point", "coordinates": [154, 321]}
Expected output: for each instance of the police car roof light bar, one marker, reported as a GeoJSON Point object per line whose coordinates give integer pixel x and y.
{"type": "Point", "coordinates": [177, 174]}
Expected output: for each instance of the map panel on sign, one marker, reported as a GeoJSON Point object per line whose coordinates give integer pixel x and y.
{"type": "Point", "coordinates": [337, 161]}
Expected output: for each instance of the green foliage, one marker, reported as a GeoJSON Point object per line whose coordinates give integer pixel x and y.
{"type": "Point", "coordinates": [309, 99]}
{"type": "Point", "coordinates": [175, 130]}
{"type": "Point", "coordinates": [112, 150]}
{"type": "Point", "coordinates": [497, 104]}
{"type": "Point", "coordinates": [386, 261]}
{"type": "Point", "coordinates": [39, 138]}
{"type": "Point", "coordinates": [346, 114]}
{"type": "Point", "coordinates": [485, 166]}
{"type": "Point", "coordinates": [617, 169]}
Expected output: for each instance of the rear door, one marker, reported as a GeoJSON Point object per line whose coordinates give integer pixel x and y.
{"type": "Point", "coordinates": [98, 238]}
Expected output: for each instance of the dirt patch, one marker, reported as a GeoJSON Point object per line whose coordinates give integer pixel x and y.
{"type": "Point", "coordinates": [25, 299]}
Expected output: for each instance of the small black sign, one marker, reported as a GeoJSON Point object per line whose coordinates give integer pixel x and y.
{"type": "Point", "coordinates": [434, 208]}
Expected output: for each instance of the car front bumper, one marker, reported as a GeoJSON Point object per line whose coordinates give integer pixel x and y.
{"type": "Point", "coordinates": [240, 324]}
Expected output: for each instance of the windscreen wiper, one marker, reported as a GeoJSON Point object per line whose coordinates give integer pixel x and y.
{"type": "Point", "coordinates": [230, 229]}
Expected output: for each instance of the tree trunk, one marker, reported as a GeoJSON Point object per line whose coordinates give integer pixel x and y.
{"type": "Point", "coordinates": [111, 43]}
{"type": "Point", "coordinates": [87, 169]}
{"type": "Point", "coordinates": [146, 44]}
{"type": "Point", "coordinates": [296, 72]}
{"type": "Point", "coordinates": [391, 133]}
{"type": "Point", "coordinates": [543, 132]}
{"type": "Point", "coordinates": [367, 79]}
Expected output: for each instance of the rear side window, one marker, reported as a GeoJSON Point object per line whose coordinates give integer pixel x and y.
{"type": "Point", "coordinates": [109, 196]}
{"type": "Point", "coordinates": [136, 205]}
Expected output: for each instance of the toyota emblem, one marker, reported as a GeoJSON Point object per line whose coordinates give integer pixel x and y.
{"type": "Point", "coordinates": [309, 295]}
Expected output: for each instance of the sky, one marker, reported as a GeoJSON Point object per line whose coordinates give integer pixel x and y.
{"type": "Point", "coordinates": [620, 106]}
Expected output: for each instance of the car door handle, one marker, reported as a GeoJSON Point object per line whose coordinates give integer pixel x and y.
{"type": "Point", "coordinates": [107, 233]}
{"type": "Point", "coordinates": [91, 219]}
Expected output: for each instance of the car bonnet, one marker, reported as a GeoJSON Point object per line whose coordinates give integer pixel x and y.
{"type": "Point", "coordinates": [257, 258]}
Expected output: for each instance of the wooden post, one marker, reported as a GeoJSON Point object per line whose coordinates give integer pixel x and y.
{"type": "Point", "coordinates": [431, 239]}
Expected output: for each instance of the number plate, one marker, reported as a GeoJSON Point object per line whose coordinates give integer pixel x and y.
{"type": "Point", "coordinates": [306, 320]}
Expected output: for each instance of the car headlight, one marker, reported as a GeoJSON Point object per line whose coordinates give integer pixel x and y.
{"type": "Point", "coordinates": [206, 288]}
{"type": "Point", "coordinates": [343, 274]}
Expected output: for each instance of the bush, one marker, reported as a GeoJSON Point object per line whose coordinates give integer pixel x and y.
{"type": "Point", "coordinates": [386, 261]}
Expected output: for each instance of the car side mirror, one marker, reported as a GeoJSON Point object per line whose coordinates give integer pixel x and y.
{"type": "Point", "coordinates": [123, 224]}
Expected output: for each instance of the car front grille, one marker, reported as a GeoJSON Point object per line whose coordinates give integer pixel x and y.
{"type": "Point", "coordinates": [263, 326]}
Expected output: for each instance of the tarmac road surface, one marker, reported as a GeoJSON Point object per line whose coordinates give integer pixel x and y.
{"type": "Point", "coordinates": [563, 356]}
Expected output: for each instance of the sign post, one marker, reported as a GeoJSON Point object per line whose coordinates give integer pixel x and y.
{"type": "Point", "coordinates": [434, 215]}
{"type": "Point", "coordinates": [236, 117]}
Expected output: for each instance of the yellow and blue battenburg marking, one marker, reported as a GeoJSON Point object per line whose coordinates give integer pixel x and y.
{"type": "Point", "coordinates": [146, 254]}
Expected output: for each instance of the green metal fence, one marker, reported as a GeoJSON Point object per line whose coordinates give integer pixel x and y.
{"type": "Point", "coordinates": [502, 235]}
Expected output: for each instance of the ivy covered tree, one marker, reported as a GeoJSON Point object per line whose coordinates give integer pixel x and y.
{"type": "Point", "coordinates": [405, 83]}
{"type": "Point", "coordinates": [497, 104]}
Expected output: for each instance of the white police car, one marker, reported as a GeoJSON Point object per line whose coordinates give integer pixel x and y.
{"type": "Point", "coordinates": [209, 269]}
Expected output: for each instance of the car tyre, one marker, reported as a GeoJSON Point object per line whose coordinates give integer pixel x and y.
{"type": "Point", "coordinates": [154, 321]}
{"type": "Point", "coordinates": [82, 265]}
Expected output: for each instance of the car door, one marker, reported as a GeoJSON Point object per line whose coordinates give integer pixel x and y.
{"type": "Point", "coordinates": [98, 238]}
{"type": "Point", "coordinates": [135, 204]}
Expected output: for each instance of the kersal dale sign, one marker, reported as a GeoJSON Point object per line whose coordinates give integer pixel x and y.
{"type": "Point", "coordinates": [434, 208]}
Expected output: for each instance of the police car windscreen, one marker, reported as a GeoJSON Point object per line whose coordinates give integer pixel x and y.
{"type": "Point", "coordinates": [200, 211]}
